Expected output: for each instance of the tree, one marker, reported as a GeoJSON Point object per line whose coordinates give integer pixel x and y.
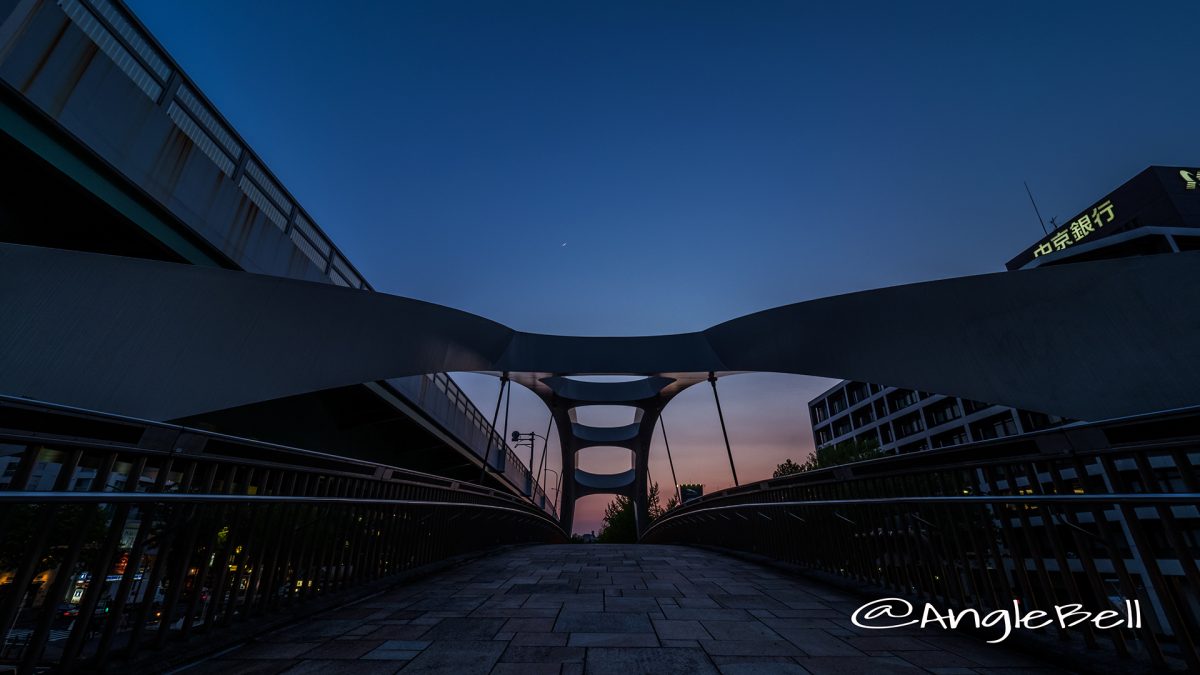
{"type": "Point", "coordinates": [787, 468]}
{"type": "Point", "coordinates": [620, 526]}
{"type": "Point", "coordinates": [852, 450]}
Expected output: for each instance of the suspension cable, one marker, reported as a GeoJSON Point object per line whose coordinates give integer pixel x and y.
{"type": "Point", "coordinates": [541, 472]}
{"type": "Point", "coordinates": [712, 379]}
{"type": "Point", "coordinates": [671, 462]}
{"type": "Point", "coordinates": [504, 437]}
{"type": "Point", "coordinates": [487, 454]}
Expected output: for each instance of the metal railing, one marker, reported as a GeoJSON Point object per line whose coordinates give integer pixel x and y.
{"type": "Point", "coordinates": [441, 397]}
{"type": "Point", "coordinates": [1089, 514]}
{"type": "Point", "coordinates": [119, 536]}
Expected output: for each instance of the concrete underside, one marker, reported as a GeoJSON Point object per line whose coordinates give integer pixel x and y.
{"type": "Point", "coordinates": [622, 609]}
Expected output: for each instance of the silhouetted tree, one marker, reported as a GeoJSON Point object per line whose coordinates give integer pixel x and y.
{"type": "Point", "coordinates": [852, 450]}
{"type": "Point", "coordinates": [787, 468]}
{"type": "Point", "coordinates": [620, 526]}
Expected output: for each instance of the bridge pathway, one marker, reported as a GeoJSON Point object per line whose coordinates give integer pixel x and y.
{"type": "Point", "coordinates": [599, 609]}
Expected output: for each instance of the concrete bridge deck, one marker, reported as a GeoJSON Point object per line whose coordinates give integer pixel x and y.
{"type": "Point", "coordinates": [621, 609]}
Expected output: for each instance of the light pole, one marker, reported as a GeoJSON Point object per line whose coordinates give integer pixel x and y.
{"type": "Point", "coordinates": [527, 438]}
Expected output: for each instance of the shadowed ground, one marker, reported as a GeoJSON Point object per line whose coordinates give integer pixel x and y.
{"type": "Point", "coordinates": [621, 609]}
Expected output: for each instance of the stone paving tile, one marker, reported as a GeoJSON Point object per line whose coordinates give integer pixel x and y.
{"type": "Point", "coordinates": [388, 655]}
{"type": "Point", "coordinates": [398, 632]}
{"type": "Point", "coordinates": [681, 630]}
{"type": "Point", "coordinates": [631, 604]}
{"type": "Point", "coordinates": [534, 625]}
{"type": "Point", "coordinates": [344, 667]}
{"type": "Point", "coordinates": [465, 629]}
{"type": "Point", "coordinates": [750, 648]}
{"type": "Point", "coordinates": [460, 658]}
{"type": "Point", "coordinates": [690, 644]}
{"type": "Point", "coordinates": [937, 659]}
{"type": "Point", "coordinates": [759, 668]}
{"type": "Point", "coordinates": [690, 614]}
{"type": "Point", "coordinates": [602, 622]}
{"type": "Point", "coordinates": [410, 645]}
{"type": "Point", "coordinates": [857, 665]}
{"type": "Point", "coordinates": [542, 655]}
{"type": "Point", "coordinates": [320, 628]}
{"type": "Point", "coordinates": [980, 652]}
{"type": "Point", "coordinates": [612, 640]}
{"type": "Point", "coordinates": [342, 649]}
{"type": "Point", "coordinates": [758, 665]}
{"type": "Point", "coordinates": [748, 601]}
{"type": "Point", "coordinates": [273, 650]}
{"type": "Point", "coordinates": [529, 669]}
{"type": "Point", "coordinates": [540, 639]}
{"type": "Point", "coordinates": [816, 642]}
{"type": "Point", "coordinates": [617, 661]}
{"type": "Point", "coordinates": [227, 666]}
{"type": "Point", "coordinates": [739, 630]}
{"type": "Point", "coordinates": [888, 643]}
{"type": "Point", "coordinates": [596, 609]}
{"type": "Point", "coordinates": [523, 612]}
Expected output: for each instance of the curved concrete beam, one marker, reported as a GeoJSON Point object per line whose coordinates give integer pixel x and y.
{"type": "Point", "coordinates": [574, 408]}
{"type": "Point", "coordinates": [601, 482]}
{"type": "Point", "coordinates": [607, 392]}
{"type": "Point", "coordinates": [1088, 340]}
{"type": "Point", "coordinates": [605, 435]}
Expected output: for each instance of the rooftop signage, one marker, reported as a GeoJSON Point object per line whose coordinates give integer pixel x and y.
{"type": "Point", "coordinates": [1161, 196]}
{"type": "Point", "coordinates": [1189, 178]}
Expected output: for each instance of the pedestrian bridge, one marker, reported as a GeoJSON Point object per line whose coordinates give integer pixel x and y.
{"type": "Point", "coordinates": [609, 609]}
{"type": "Point", "coordinates": [188, 542]}
{"type": "Point", "coordinates": [211, 426]}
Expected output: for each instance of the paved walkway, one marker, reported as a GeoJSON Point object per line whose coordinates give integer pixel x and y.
{"type": "Point", "coordinates": [617, 609]}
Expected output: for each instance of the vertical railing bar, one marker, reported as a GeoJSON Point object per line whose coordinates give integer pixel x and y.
{"type": "Point", "coordinates": [146, 518]}
{"type": "Point", "coordinates": [98, 573]}
{"type": "Point", "coordinates": [58, 587]}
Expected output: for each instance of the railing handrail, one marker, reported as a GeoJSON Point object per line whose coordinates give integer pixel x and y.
{"type": "Point", "coordinates": [1136, 498]}
{"type": "Point", "coordinates": [940, 457]}
{"type": "Point", "coordinates": [184, 429]}
{"type": "Point", "coordinates": [76, 497]}
{"type": "Point", "coordinates": [40, 437]}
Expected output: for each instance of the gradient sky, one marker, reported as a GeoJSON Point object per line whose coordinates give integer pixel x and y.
{"type": "Point", "coordinates": [698, 160]}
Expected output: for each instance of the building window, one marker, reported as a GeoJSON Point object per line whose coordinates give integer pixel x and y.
{"type": "Point", "coordinates": [908, 425]}
{"type": "Point", "coordinates": [901, 399]}
{"type": "Point", "coordinates": [956, 436]}
{"type": "Point", "coordinates": [837, 403]}
{"type": "Point", "coordinates": [995, 427]}
{"type": "Point", "coordinates": [940, 413]}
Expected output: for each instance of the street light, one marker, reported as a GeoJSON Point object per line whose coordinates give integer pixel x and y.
{"type": "Point", "coordinates": [519, 439]}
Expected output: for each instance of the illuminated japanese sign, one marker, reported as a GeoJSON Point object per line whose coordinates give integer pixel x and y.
{"type": "Point", "coordinates": [1189, 178]}
{"type": "Point", "coordinates": [1159, 196]}
{"type": "Point", "coordinates": [1077, 230]}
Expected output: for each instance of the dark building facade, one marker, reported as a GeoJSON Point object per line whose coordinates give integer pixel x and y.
{"type": "Point", "coordinates": [1156, 211]}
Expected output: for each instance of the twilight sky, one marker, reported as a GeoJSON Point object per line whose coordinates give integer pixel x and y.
{"type": "Point", "coordinates": [617, 168]}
